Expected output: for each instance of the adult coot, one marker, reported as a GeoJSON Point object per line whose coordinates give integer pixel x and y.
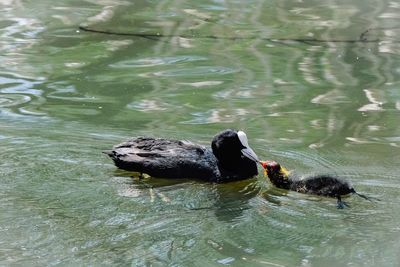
{"type": "Point", "coordinates": [324, 185]}
{"type": "Point", "coordinates": [229, 159]}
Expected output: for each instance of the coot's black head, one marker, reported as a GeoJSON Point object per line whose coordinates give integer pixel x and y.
{"type": "Point", "coordinates": [233, 152]}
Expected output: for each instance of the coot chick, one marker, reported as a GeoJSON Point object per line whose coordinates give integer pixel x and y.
{"type": "Point", "coordinates": [230, 158]}
{"type": "Point", "coordinates": [324, 185]}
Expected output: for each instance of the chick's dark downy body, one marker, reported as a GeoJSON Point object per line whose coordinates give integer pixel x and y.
{"type": "Point", "coordinates": [166, 158]}
{"type": "Point", "coordinates": [323, 185]}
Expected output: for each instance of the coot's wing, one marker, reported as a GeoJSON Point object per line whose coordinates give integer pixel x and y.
{"type": "Point", "coordinates": [165, 158]}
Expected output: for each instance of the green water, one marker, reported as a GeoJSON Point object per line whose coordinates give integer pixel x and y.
{"type": "Point", "coordinates": [314, 106]}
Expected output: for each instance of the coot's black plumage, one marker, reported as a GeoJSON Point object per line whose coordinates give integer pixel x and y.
{"type": "Point", "coordinates": [229, 159]}
{"type": "Point", "coordinates": [324, 185]}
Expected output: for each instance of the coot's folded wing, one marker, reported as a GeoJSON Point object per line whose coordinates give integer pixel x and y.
{"type": "Point", "coordinates": [165, 158]}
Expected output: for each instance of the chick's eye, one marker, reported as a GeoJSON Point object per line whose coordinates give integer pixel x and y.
{"type": "Point", "coordinates": [275, 167]}
{"type": "Point", "coordinates": [271, 168]}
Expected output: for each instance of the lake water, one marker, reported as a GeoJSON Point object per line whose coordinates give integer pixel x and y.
{"type": "Point", "coordinates": [315, 85]}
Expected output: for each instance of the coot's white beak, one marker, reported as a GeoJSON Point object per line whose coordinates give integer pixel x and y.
{"type": "Point", "coordinates": [247, 151]}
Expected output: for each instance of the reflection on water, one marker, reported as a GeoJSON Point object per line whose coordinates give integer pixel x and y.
{"type": "Point", "coordinates": [314, 86]}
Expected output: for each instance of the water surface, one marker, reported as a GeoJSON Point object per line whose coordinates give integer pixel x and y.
{"type": "Point", "coordinates": [314, 85]}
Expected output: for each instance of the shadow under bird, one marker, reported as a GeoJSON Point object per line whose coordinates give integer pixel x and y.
{"type": "Point", "coordinates": [230, 158]}
{"type": "Point", "coordinates": [323, 185]}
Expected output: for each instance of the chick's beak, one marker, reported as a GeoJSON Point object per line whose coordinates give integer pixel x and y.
{"type": "Point", "coordinates": [264, 165]}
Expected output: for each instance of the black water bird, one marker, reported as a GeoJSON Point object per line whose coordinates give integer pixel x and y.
{"type": "Point", "coordinates": [230, 158]}
{"type": "Point", "coordinates": [324, 185]}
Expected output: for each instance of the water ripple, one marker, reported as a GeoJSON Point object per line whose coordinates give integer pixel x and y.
{"type": "Point", "coordinates": [217, 115]}
{"type": "Point", "coordinates": [156, 61]}
{"type": "Point", "coordinates": [13, 100]}
{"type": "Point", "coordinates": [21, 93]}
{"type": "Point", "coordinates": [147, 105]}
{"type": "Point", "coordinates": [190, 72]}
{"type": "Point", "coordinates": [203, 83]}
